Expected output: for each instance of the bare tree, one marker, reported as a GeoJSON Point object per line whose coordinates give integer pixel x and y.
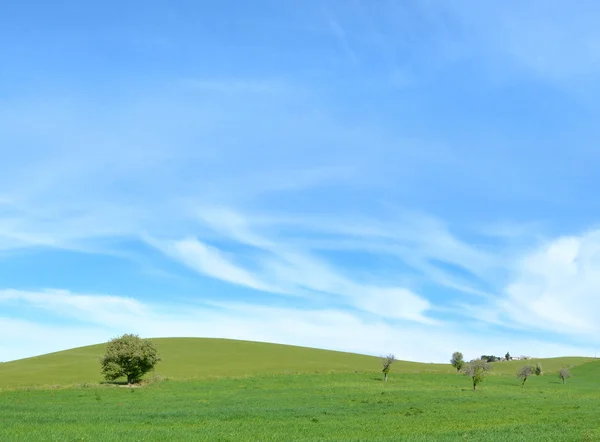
{"type": "Point", "coordinates": [524, 372]}
{"type": "Point", "coordinates": [386, 362]}
{"type": "Point", "coordinates": [476, 370]}
{"type": "Point", "coordinates": [564, 374]}
{"type": "Point", "coordinates": [457, 360]}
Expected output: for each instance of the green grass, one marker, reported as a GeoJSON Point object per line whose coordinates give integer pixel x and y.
{"type": "Point", "coordinates": [277, 393]}
{"type": "Point", "coordinates": [549, 364]}
{"type": "Point", "coordinates": [198, 358]}
{"type": "Point", "coordinates": [342, 406]}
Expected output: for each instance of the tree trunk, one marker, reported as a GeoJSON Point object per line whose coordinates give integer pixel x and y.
{"type": "Point", "coordinates": [385, 377]}
{"type": "Point", "coordinates": [129, 379]}
{"type": "Point", "coordinates": [474, 386]}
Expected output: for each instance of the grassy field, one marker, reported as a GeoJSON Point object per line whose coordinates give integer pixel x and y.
{"type": "Point", "coordinates": [292, 393]}
{"type": "Point", "coordinates": [197, 358]}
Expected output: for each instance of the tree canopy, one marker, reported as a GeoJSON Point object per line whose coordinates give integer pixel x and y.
{"type": "Point", "coordinates": [128, 356]}
{"type": "Point", "coordinates": [457, 360]}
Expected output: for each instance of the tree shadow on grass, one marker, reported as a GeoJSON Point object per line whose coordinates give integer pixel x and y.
{"type": "Point", "coordinates": [118, 383]}
{"type": "Point", "coordinates": [379, 379]}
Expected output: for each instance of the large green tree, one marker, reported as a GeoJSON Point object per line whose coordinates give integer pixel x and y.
{"type": "Point", "coordinates": [457, 360]}
{"type": "Point", "coordinates": [128, 356]}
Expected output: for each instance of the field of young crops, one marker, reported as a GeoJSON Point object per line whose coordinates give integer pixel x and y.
{"type": "Point", "coordinates": [309, 403]}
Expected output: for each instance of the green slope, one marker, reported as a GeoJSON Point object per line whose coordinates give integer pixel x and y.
{"type": "Point", "coordinates": [201, 358]}
{"type": "Point", "coordinates": [549, 365]}
{"type": "Point", "coordinates": [587, 372]}
{"type": "Point", "coordinates": [191, 358]}
{"type": "Point", "coordinates": [311, 407]}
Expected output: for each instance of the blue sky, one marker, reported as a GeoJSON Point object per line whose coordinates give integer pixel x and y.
{"type": "Point", "coordinates": [372, 176]}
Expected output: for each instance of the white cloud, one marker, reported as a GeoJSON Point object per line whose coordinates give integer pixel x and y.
{"type": "Point", "coordinates": [319, 328]}
{"type": "Point", "coordinates": [557, 287]}
{"type": "Point", "coordinates": [279, 267]}
{"type": "Point", "coordinates": [96, 309]}
{"type": "Point", "coordinates": [212, 262]}
{"type": "Point", "coordinates": [284, 171]}
{"type": "Point", "coordinates": [21, 338]}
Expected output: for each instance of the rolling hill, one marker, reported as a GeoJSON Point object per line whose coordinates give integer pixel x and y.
{"type": "Point", "coordinates": [201, 358]}
{"type": "Point", "coordinates": [248, 391]}
{"type": "Point", "coordinates": [195, 358]}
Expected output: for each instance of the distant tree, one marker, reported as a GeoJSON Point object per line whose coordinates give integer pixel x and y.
{"type": "Point", "coordinates": [128, 356]}
{"type": "Point", "coordinates": [476, 370]}
{"type": "Point", "coordinates": [539, 371]}
{"type": "Point", "coordinates": [386, 362]}
{"type": "Point", "coordinates": [489, 358]}
{"type": "Point", "coordinates": [564, 374]}
{"type": "Point", "coordinates": [524, 372]}
{"type": "Point", "coordinates": [507, 356]}
{"type": "Point", "coordinates": [457, 360]}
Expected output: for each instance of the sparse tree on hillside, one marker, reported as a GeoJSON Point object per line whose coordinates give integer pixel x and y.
{"type": "Point", "coordinates": [457, 360]}
{"type": "Point", "coordinates": [524, 372]}
{"type": "Point", "coordinates": [128, 356]}
{"type": "Point", "coordinates": [564, 374]}
{"type": "Point", "coordinates": [539, 371]}
{"type": "Point", "coordinates": [386, 362]}
{"type": "Point", "coordinates": [476, 370]}
{"type": "Point", "coordinates": [507, 356]}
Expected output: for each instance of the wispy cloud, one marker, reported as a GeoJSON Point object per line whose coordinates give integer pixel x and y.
{"type": "Point", "coordinates": [210, 261]}
{"type": "Point", "coordinates": [256, 158]}
{"type": "Point", "coordinates": [340, 33]}
{"type": "Point", "coordinates": [279, 269]}
{"type": "Point", "coordinates": [324, 328]}
{"type": "Point", "coordinates": [413, 238]}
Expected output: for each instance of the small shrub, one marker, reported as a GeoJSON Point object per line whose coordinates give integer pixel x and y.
{"type": "Point", "coordinates": [476, 370]}
{"type": "Point", "coordinates": [524, 372]}
{"type": "Point", "coordinates": [386, 362]}
{"type": "Point", "coordinates": [564, 374]}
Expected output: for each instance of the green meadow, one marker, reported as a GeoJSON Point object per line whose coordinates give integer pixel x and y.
{"type": "Point", "coordinates": [220, 390]}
